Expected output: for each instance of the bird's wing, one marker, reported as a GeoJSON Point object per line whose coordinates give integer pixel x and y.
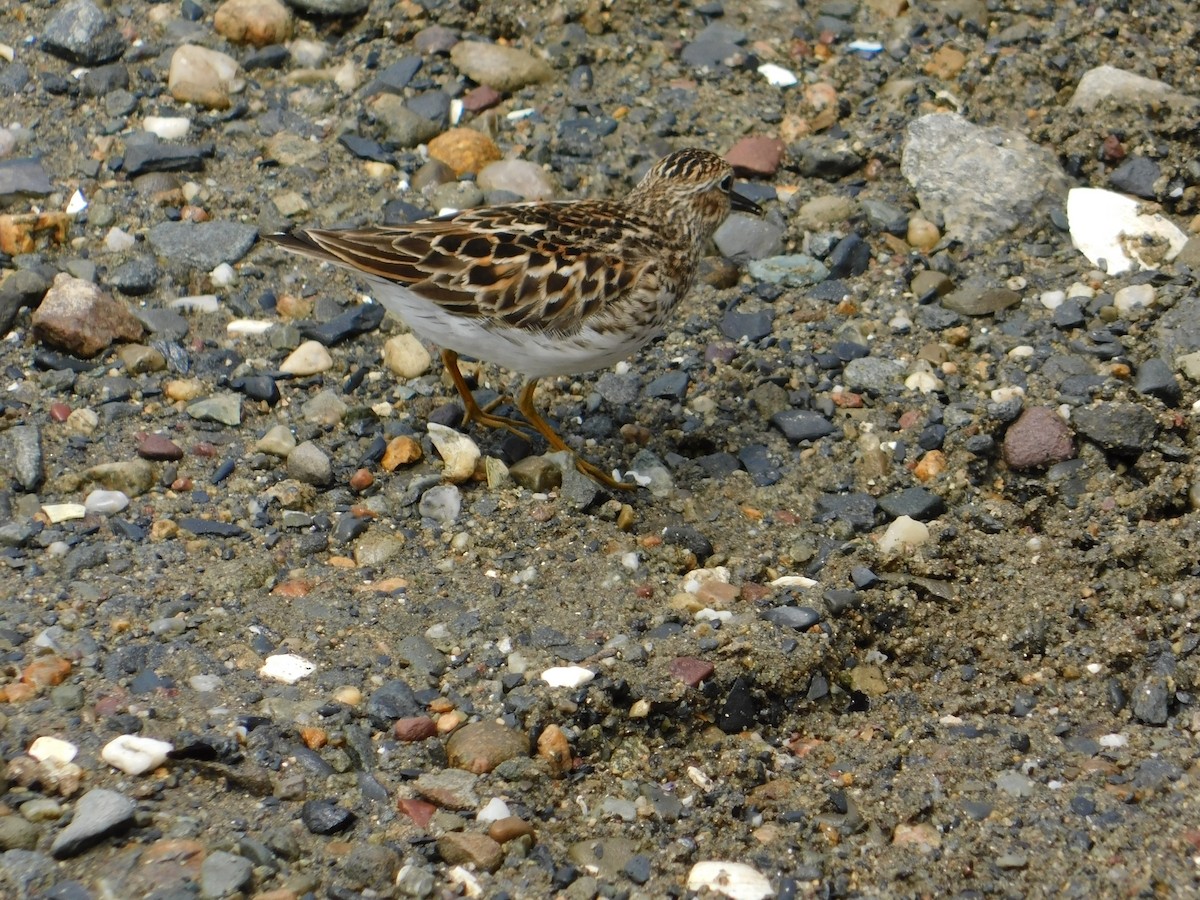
{"type": "Point", "coordinates": [547, 266]}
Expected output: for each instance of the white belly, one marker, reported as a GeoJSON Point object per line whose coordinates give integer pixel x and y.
{"type": "Point", "coordinates": [533, 354]}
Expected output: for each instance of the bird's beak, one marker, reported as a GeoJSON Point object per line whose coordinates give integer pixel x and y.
{"type": "Point", "coordinates": [743, 204]}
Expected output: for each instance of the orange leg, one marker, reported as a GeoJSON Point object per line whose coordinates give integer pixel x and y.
{"type": "Point", "coordinates": [525, 405]}
{"type": "Point", "coordinates": [474, 413]}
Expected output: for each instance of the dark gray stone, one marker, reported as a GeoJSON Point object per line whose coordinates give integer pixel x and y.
{"type": "Point", "coordinates": [136, 276]}
{"type": "Point", "coordinates": [98, 813]}
{"type": "Point", "coordinates": [1124, 428]}
{"type": "Point", "coordinates": [802, 425]}
{"type": "Point", "coordinates": [857, 510]}
{"type": "Point", "coordinates": [82, 33]}
{"type": "Point", "coordinates": [23, 178]}
{"type": "Point", "coordinates": [1155, 378]}
{"type": "Point", "coordinates": [202, 245]}
{"type": "Point", "coordinates": [393, 700]}
{"type": "Point", "coordinates": [914, 502]}
{"type": "Point", "coordinates": [670, 386]}
{"type": "Point", "coordinates": [223, 874]}
{"type": "Point", "coordinates": [1136, 176]}
{"type": "Point", "coordinates": [1151, 701]}
{"type": "Point", "coordinates": [753, 326]}
{"type": "Point", "coordinates": [798, 617]}
{"type": "Point", "coordinates": [153, 156]}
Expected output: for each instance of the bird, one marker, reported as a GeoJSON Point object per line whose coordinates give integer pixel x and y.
{"type": "Point", "coordinates": [542, 288]}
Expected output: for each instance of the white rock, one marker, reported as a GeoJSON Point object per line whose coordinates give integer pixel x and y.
{"type": "Point", "coordinates": [63, 512]}
{"type": "Point", "coordinates": [1080, 291]}
{"type": "Point", "coordinates": [699, 778]}
{"type": "Point", "coordinates": [204, 684]}
{"type": "Point", "coordinates": [459, 453]}
{"type": "Point", "coordinates": [308, 54]}
{"type": "Point", "coordinates": [52, 749]}
{"type": "Point", "coordinates": [105, 503]}
{"type": "Point", "coordinates": [223, 275]}
{"type": "Point", "coordinates": [567, 676]}
{"type": "Point", "coordinates": [134, 754]}
{"type": "Point", "coordinates": [777, 76]}
{"type": "Point", "coordinates": [286, 667]}
{"type": "Point", "coordinates": [735, 880]}
{"type": "Point", "coordinates": [1107, 228]}
{"type": "Point", "coordinates": [1133, 297]}
{"type": "Point", "coordinates": [924, 381]}
{"type": "Point", "coordinates": [1006, 393]}
{"type": "Point", "coordinates": [169, 128]}
{"type": "Point", "coordinates": [905, 533]}
{"type": "Point", "coordinates": [309, 358]}
{"type": "Point", "coordinates": [493, 811]}
{"type": "Point", "coordinates": [1114, 740]}
{"type": "Point", "coordinates": [406, 356]}
{"type": "Point", "coordinates": [82, 421]}
{"type": "Point", "coordinates": [1052, 299]}
{"type": "Point", "coordinates": [118, 241]}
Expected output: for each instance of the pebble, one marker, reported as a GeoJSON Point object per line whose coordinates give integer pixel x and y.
{"type": "Point", "coordinates": [98, 813]}
{"type": "Point", "coordinates": [743, 237]}
{"type": "Point", "coordinates": [460, 455]}
{"type": "Point", "coordinates": [309, 464]}
{"type": "Point", "coordinates": [22, 455]}
{"type": "Point", "coordinates": [1134, 297]}
{"type": "Point", "coordinates": [757, 155]}
{"type": "Point", "coordinates": [224, 874]}
{"type": "Point", "coordinates": [134, 754]}
{"type": "Point", "coordinates": [442, 504]}
{"type": "Point", "coordinates": [468, 849]}
{"type": "Point", "coordinates": [802, 425]}
{"type": "Point", "coordinates": [904, 534]}
{"type": "Point", "coordinates": [132, 477]}
{"type": "Point", "coordinates": [464, 150]}
{"type": "Point", "coordinates": [224, 409]}
{"type": "Point", "coordinates": [406, 356]}
{"type": "Point", "coordinates": [105, 503]}
{"type": "Point", "coordinates": [23, 178]}
{"type": "Point", "coordinates": [482, 746]}
{"type": "Point", "coordinates": [83, 33]}
{"type": "Point", "coordinates": [205, 77]}
{"type": "Point", "coordinates": [1039, 437]}
{"type": "Point", "coordinates": [287, 668]}
{"type": "Point", "coordinates": [525, 179]}
{"type": "Point", "coordinates": [254, 22]}
{"type": "Point", "coordinates": [310, 358]}
{"type": "Point", "coordinates": [1108, 83]}
{"type": "Point", "coordinates": [791, 270]}
{"type": "Point", "coordinates": [325, 817]}
{"type": "Point", "coordinates": [1108, 229]}
{"type": "Point", "coordinates": [80, 318]}
{"type": "Point", "coordinates": [506, 69]}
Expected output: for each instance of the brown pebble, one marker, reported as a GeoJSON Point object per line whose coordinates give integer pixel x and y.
{"type": "Point", "coordinates": [59, 412]}
{"type": "Point", "coordinates": [465, 848]}
{"type": "Point", "coordinates": [1038, 438]}
{"type": "Point", "coordinates": [79, 317]}
{"type": "Point", "coordinates": [504, 830]}
{"type": "Point", "coordinates": [401, 451]}
{"type": "Point", "coordinates": [157, 446]}
{"type": "Point", "coordinates": [481, 746]}
{"type": "Point", "coordinates": [414, 728]}
{"type": "Point", "coordinates": [756, 155]}
{"type": "Point", "coordinates": [464, 150]}
{"type": "Point", "coordinates": [555, 749]}
{"type": "Point", "coordinates": [361, 480]}
{"type": "Point", "coordinates": [481, 98]}
{"type": "Point", "coordinates": [691, 671]}
{"type": "Point", "coordinates": [420, 811]}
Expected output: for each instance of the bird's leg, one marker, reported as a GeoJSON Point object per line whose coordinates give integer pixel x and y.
{"type": "Point", "coordinates": [474, 413]}
{"type": "Point", "coordinates": [594, 472]}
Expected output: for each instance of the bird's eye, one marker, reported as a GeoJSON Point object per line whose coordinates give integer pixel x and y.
{"type": "Point", "coordinates": [727, 183]}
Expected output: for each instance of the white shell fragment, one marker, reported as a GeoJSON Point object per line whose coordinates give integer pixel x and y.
{"type": "Point", "coordinates": [77, 204]}
{"type": "Point", "coordinates": [249, 326]}
{"type": "Point", "coordinates": [1108, 229]}
{"type": "Point", "coordinates": [493, 811]}
{"type": "Point", "coordinates": [777, 76]}
{"type": "Point", "coordinates": [62, 512]}
{"type": "Point", "coordinates": [134, 754]}
{"type": "Point", "coordinates": [286, 667]}
{"type": "Point", "coordinates": [802, 581]}
{"type": "Point", "coordinates": [52, 749]}
{"type": "Point", "coordinates": [735, 880]}
{"type": "Point", "coordinates": [567, 676]}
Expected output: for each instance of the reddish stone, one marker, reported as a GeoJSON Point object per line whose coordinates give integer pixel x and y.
{"type": "Point", "coordinates": [205, 448]}
{"type": "Point", "coordinates": [846, 399]}
{"type": "Point", "coordinates": [417, 810]}
{"type": "Point", "coordinates": [911, 418]}
{"type": "Point", "coordinates": [481, 98]}
{"type": "Point", "coordinates": [45, 671]}
{"type": "Point", "coordinates": [59, 412]}
{"type": "Point", "coordinates": [414, 728]}
{"type": "Point", "coordinates": [691, 671]}
{"type": "Point", "coordinates": [157, 446]}
{"type": "Point", "coordinates": [1038, 438]}
{"type": "Point", "coordinates": [361, 480]}
{"type": "Point", "coordinates": [756, 155]}
{"type": "Point", "coordinates": [752, 591]}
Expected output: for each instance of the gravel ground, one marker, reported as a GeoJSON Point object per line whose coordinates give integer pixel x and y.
{"type": "Point", "coordinates": [904, 606]}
